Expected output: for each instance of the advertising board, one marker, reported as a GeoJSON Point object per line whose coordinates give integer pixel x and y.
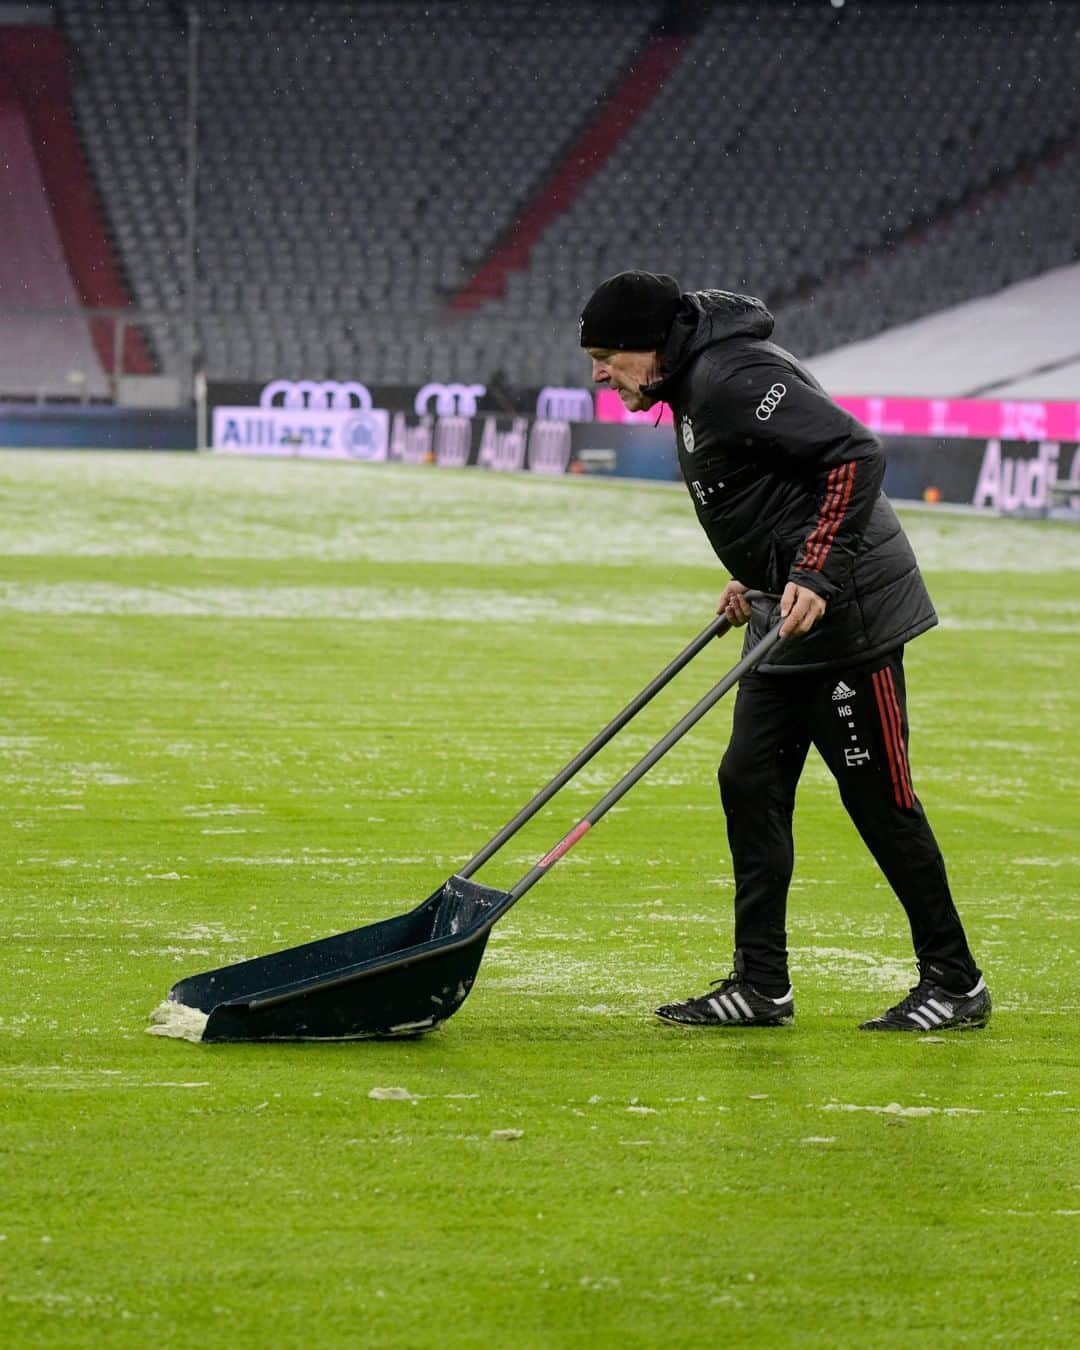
{"type": "Point", "coordinates": [355, 433]}
{"type": "Point", "coordinates": [1007, 456]}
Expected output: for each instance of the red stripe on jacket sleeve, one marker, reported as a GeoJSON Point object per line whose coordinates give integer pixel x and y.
{"type": "Point", "coordinates": [838, 488]}
{"type": "Point", "coordinates": [826, 507]}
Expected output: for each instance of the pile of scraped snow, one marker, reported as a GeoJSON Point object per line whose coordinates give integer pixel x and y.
{"type": "Point", "coordinates": [177, 1020]}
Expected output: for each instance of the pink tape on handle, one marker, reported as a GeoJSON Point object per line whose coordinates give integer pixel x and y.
{"type": "Point", "coordinates": [565, 845]}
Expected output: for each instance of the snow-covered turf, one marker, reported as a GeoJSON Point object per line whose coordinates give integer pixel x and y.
{"type": "Point", "coordinates": [244, 705]}
{"type": "Point", "coordinates": [413, 514]}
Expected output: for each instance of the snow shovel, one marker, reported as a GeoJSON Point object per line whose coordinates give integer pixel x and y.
{"type": "Point", "coordinates": [406, 975]}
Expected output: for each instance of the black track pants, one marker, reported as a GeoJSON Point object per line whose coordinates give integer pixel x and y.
{"type": "Point", "coordinates": [857, 719]}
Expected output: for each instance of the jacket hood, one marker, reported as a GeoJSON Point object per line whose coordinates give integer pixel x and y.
{"type": "Point", "coordinates": [704, 319]}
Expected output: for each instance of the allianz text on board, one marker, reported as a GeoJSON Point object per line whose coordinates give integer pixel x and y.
{"type": "Point", "coordinates": [356, 433]}
{"type": "Point", "coordinates": [328, 419]}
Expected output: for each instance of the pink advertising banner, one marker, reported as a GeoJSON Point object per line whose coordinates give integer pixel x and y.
{"type": "Point", "coordinates": [1009, 420]}
{"type": "Point", "coordinates": [609, 408]}
{"type": "Point", "coordinates": [960, 418]}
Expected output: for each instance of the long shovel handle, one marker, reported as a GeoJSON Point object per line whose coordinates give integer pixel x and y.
{"type": "Point", "coordinates": [717, 628]}
{"type": "Point", "coordinates": [642, 767]}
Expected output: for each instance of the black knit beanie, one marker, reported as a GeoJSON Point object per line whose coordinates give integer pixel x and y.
{"type": "Point", "coordinates": [630, 312]}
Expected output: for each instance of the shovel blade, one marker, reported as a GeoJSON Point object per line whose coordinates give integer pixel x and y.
{"type": "Point", "coordinates": [399, 977]}
{"type": "Point", "coordinates": [404, 999]}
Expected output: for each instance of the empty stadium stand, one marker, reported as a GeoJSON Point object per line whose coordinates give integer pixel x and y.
{"type": "Point", "coordinates": [356, 161]}
{"type": "Point", "coordinates": [360, 163]}
{"type": "Point", "coordinates": [57, 259]}
{"type": "Point", "coordinates": [855, 175]}
{"type": "Point", "coordinates": [37, 359]}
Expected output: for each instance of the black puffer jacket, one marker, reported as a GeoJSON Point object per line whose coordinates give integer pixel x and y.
{"type": "Point", "coordinates": [787, 485]}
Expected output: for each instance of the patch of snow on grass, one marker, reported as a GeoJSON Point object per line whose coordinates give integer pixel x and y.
{"type": "Point", "coordinates": [895, 1109]}
{"type": "Point", "coordinates": [854, 969]}
{"type": "Point", "coordinates": [990, 544]}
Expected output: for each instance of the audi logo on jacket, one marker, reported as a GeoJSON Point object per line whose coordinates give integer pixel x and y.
{"type": "Point", "coordinates": [787, 485]}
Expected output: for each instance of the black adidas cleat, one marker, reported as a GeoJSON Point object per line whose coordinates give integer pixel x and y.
{"type": "Point", "coordinates": [733, 1003]}
{"type": "Point", "coordinates": [929, 1007]}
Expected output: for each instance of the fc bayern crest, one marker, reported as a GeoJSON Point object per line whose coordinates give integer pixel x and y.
{"type": "Point", "coordinates": [688, 435]}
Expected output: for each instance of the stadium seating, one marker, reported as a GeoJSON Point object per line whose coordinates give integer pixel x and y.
{"type": "Point", "coordinates": [355, 160]}
{"type": "Point", "coordinates": [55, 358]}
{"type": "Point", "coordinates": [816, 166]}
{"type": "Point", "coordinates": [359, 161]}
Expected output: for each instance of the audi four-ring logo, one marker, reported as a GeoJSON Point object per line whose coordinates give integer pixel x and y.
{"type": "Point", "coordinates": [451, 400]}
{"type": "Point", "coordinates": [559, 404]}
{"type": "Point", "coordinates": [315, 395]}
{"type": "Point", "coordinates": [770, 402]}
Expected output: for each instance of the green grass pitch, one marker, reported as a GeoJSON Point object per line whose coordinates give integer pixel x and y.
{"type": "Point", "coordinates": [243, 705]}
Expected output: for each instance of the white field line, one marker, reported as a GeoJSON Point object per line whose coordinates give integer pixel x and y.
{"type": "Point", "coordinates": [355, 604]}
